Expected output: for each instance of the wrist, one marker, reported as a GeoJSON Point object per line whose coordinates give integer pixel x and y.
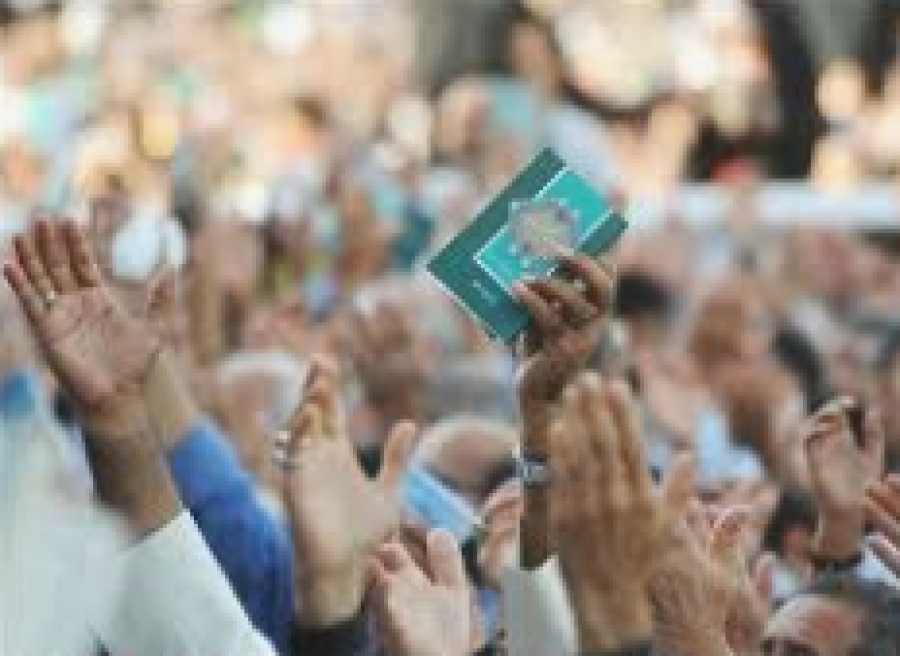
{"type": "Point", "coordinates": [537, 417]}
{"type": "Point", "coordinates": [169, 402]}
{"type": "Point", "coordinates": [613, 620]}
{"type": "Point", "coordinates": [838, 536]}
{"type": "Point", "coordinates": [130, 475]}
{"type": "Point", "coordinates": [327, 601]}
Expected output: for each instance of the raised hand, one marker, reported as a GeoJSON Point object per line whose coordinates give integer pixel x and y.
{"type": "Point", "coordinates": [567, 320]}
{"type": "Point", "coordinates": [387, 356]}
{"type": "Point", "coordinates": [704, 600]}
{"type": "Point", "coordinates": [338, 515]}
{"type": "Point", "coordinates": [501, 514]}
{"type": "Point", "coordinates": [608, 525]}
{"type": "Point", "coordinates": [99, 353]}
{"type": "Point", "coordinates": [422, 613]}
{"type": "Point", "coordinates": [104, 358]}
{"type": "Point", "coordinates": [883, 510]}
{"type": "Point", "coordinates": [839, 472]}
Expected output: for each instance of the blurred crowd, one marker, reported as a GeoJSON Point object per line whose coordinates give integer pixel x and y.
{"type": "Point", "coordinates": [238, 417]}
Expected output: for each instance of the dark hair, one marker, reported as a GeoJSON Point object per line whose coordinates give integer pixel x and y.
{"type": "Point", "coordinates": [795, 508]}
{"type": "Point", "coordinates": [888, 350]}
{"type": "Point", "coordinates": [795, 352]}
{"type": "Point", "coordinates": [879, 604]}
{"type": "Point", "coordinates": [641, 295]}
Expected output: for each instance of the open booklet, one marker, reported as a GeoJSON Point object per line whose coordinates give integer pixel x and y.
{"type": "Point", "coordinates": [545, 211]}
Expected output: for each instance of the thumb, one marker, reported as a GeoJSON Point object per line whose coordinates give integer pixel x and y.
{"type": "Point", "coordinates": [445, 562]}
{"type": "Point", "coordinates": [873, 431]}
{"type": "Point", "coordinates": [678, 487]}
{"type": "Point", "coordinates": [397, 450]}
{"type": "Point", "coordinates": [727, 532]}
{"type": "Point", "coordinates": [764, 575]}
{"type": "Point", "coordinates": [162, 297]}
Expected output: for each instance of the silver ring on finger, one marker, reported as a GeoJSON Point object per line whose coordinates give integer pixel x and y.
{"type": "Point", "coordinates": [50, 299]}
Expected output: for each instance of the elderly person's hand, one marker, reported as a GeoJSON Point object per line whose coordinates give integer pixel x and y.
{"type": "Point", "coordinates": [883, 510]}
{"type": "Point", "coordinates": [387, 354]}
{"type": "Point", "coordinates": [608, 525]}
{"type": "Point", "coordinates": [104, 358]}
{"type": "Point", "coordinates": [566, 324]}
{"type": "Point", "coordinates": [422, 613]}
{"type": "Point", "coordinates": [704, 600]}
{"type": "Point", "coordinates": [502, 515]}
{"type": "Point", "coordinates": [840, 469]}
{"type": "Point", "coordinates": [338, 516]}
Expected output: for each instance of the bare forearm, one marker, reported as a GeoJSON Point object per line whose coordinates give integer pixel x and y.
{"type": "Point", "coordinates": [612, 621]}
{"type": "Point", "coordinates": [838, 537]}
{"type": "Point", "coordinates": [131, 476]}
{"type": "Point", "coordinates": [535, 543]}
{"type": "Point", "coordinates": [170, 405]}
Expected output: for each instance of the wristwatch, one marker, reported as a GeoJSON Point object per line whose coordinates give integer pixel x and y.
{"type": "Point", "coordinates": [533, 470]}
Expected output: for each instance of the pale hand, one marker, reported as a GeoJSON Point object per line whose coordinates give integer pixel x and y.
{"type": "Point", "coordinates": [603, 502]}
{"type": "Point", "coordinates": [337, 514]}
{"type": "Point", "coordinates": [840, 471]}
{"type": "Point", "coordinates": [423, 613]}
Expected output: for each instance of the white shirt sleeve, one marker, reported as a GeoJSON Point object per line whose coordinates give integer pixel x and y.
{"type": "Point", "coordinates": [175, 601]}
{"type": "Point", "coordinates": [537, 613]}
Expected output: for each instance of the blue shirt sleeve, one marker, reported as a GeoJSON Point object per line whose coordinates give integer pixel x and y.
{"type": "Point", "coordinates": [252, 546]}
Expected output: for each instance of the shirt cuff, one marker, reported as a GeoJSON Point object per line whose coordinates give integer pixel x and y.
{"type": "Point", "coordinates": [202, 464]}
{"type": "Point", "coordinates": [350, 638]}
{"type": "Point", "coordinates": [176, 601]}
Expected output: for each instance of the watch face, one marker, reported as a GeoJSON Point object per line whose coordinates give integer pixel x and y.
{"type": "Point", "coordinates": [542, 228]}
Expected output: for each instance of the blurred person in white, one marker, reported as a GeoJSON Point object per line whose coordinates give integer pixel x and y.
{"type": "Point", "coordinates": [173, 597]}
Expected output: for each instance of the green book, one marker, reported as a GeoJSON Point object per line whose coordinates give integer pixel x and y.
{"type": "Point", "coordinates": [545, 210]}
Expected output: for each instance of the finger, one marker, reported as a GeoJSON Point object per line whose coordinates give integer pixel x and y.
{"type": "Point", "coordinates": [883, 521]}
{"type": "Point", "coordinates": [873, 434]}
{"type": "Point", "coordinates": [624, 414]}
{"type": "Point", "coordinates": [678, 486]}
{"type": "Point", "coordinates": [601, 432]}
{"type": "Point", "coordinates": [304, 429]}
{"type": "Point", "coordinates": [575, 307]}
{"type": "Point", "coordinates": [378, 574]}
{"type": "Point", "coordinates": [507, 499]}
{"type": "Point", "coordinates": [568, 463]}
{"type": "Point", "coordinates": [397, 560]}
{"type": "Point", "coordinates": [764, 576]}
{"type": "Point", "coordinates": [599, 283]}
{"type": "Point", "coordinates": [323, 395]}
{"type": "Point", "coordinates": [397, 451]}
{"type": "Point", "coordinates": [31, 264]}
{"type": "Point", "coordinates": [365, 340]}
{"type": "Point", "coordinates": [164, 296]}
{"type": "Point", "coordinates": [31, 303]}
{"type": "Point", "coordinates": [55, 255]}
{"type": "Point", "coordinates": [729, 527]}
{"type": "Point", "coordinates": [83, 263]}
{"type": "Point", "coordinates": [886, 498]}
{"type": "Point", "coordinates": [445, 562]}
{"type": "Point", "coordinates": [545, 318]}
{"type": "Point", "coordinates": [887, 552]}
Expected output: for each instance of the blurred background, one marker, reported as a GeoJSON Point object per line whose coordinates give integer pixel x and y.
{"type": "Point", "coordinates": [298, 162]}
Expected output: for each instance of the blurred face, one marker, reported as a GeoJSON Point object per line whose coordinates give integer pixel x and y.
{"type": "Point", "coordinates": [809, 625]}
{"type": "Point", "coordinates": [533, 59]}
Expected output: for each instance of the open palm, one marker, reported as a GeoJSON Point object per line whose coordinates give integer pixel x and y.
{"type": "Point", "coordinates": [338, 516]}
{"type": "Point", "coordinates": [100, 354]}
